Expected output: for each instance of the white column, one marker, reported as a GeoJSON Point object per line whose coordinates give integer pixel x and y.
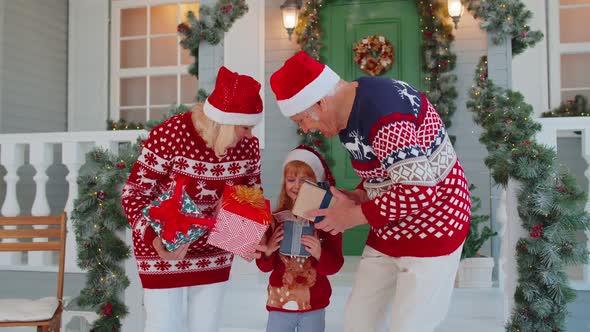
{"type": "Point", "coordinates": [513, 231]}
{"type": "Point", "coordinates": [586, 156]}
{"type": "Point", "coordinates": [11, 157]}
{"type": "Point", "coordinates": [40, 157]}
{"type": "Point", "coordinates": [73, 158]}
{"type": "Point", "coordinates": [134, 293]}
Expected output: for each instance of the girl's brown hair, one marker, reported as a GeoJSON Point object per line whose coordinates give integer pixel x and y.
{"type": "Point", "coordinates": [295, 167]}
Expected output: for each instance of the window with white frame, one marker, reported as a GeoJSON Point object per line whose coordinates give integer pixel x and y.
{"type": "Point", "coordinates": [149, 69]}
{"type": "Point", "coordinates": [569, 49]}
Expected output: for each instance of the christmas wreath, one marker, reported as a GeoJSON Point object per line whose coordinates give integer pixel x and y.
{"type": "Point", "coordinates": [373, 54]}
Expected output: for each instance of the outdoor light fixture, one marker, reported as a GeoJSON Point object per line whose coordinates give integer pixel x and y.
{"type": "Point", "coordinates": [455, 8]}
{"type": "Point", "coordinates": [290, 11]}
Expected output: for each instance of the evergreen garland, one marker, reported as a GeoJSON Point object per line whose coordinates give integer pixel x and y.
{"type": "Point", "coordinates": [550, 205]}
{"type": "Point", "coordinates": [576, 107]}
{"type": "Point", "coordinates": [506, 19]}
{"type": "Point", "coordinates": [210, 26]}
{"type": "Point", "coordinates": [98, 218]}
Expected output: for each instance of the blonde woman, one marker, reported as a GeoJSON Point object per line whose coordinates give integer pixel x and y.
{"type": "Point", "coordinates": [209, 147]}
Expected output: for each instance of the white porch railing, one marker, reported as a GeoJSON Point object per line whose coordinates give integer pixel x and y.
{"type": "Point", "coordinates": [553, 128]}
{"type": "Point", "coordinates": [40, 148]}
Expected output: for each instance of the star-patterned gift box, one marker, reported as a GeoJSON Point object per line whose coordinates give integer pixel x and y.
{"type": "Point", "coordinates": [175, 218]}
{"type": "Point", "coordinates": [242, 220]}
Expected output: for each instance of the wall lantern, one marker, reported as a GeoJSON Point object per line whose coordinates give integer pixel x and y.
{"type": "Point", "coordinates": [290, 11]}
{"type": "Point", "coordinates": [455, 8]}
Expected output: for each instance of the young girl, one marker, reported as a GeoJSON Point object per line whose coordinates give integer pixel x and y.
{"type": "Point", "coordinates": [299, 290]}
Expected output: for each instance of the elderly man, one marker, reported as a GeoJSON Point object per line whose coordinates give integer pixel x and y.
{"type": "Point", "coordinates": [413, 192]}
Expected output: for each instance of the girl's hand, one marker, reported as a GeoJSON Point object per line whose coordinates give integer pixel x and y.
{"type": "Point", "coordinates": [274, 242]}
{"type": "Point", "coordinates": [175, 255]}
{"type": "Point", "coordinates": [312, 245]}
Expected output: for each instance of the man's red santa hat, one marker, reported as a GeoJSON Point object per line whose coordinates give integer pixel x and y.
{"type": "Point", "coordinates": [235, 99]}
{"type": "Point", "coordinates": [301, 82]}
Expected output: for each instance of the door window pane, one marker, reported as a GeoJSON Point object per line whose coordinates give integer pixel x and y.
{"type": "Point", "coordinates": [570, 95]}
{"type": "Point", "coordinates": [163, 51]}
{"type": "Point", "coordinates": [163, 90]}
{"type": "Point", "coordinates": [163, 19]}
{"type": "Point", "coordinates": [186, 7]}
{"type": "Point", "coordinates": [133, 53]}
{"type": "Point", "coordinates": [158, 113]}
{"type": "Point", "coordinates": [574, 70]}
{"type": "Point", "coordinates": [574, 2]}
{"type": "Point", "coordinates": [133, 22]}
{"type": "Point", "coordinates": [133, 91]}
{"type": "Point", "coordinates": [188, 89]}
{"type": "Point", "coordinates": [136, 115]}
{"type": "Point", "coordinates": [572, 23]}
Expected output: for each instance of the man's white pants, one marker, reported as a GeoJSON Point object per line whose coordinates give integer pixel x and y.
{"type": "Point", "coordinates": [418, 289]}
{"type": "Point", "coordinates": [184, 309]}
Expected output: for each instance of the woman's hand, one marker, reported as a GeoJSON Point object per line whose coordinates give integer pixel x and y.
{"type": "Point", "coordinates": [175, 255]}
{"type": "Point", "coordinates": [312, 245]}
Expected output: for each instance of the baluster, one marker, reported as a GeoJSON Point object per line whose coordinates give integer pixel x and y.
{"type": "Point", "coordinates": [72, 158]}
{"type": "Point", "coordinates": [12, 157]}
{"type": "Point", "coordinates": [41, 157]}
{"type": "Point", "coordinates": [586, 156]}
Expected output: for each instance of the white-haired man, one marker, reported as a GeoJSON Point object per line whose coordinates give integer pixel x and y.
{"type": "Point", "coordinates": [413, 191]}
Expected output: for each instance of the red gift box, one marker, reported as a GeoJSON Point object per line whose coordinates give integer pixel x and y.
{"type": "Point", "coordinates": [242, 220]}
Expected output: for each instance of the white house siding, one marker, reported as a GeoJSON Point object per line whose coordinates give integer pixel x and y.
{"type": "Point", "coordinates": [281, 135]}
{"type": "Point", "coordinates": [34, 66]}
{"type": "Point", "coordinates": [470, 44]}
{"type": "Point", "coordinates": [33, 83]}
{"type": "Point", "coordinates": [88, 65]}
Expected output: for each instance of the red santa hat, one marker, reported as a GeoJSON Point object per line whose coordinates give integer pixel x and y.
{"type": "Point", "coordinates": [235, 99]}
{"type": "Point", "coordinates": [301, 82]}
{"type": "Point", "coordinates": [314, 160]}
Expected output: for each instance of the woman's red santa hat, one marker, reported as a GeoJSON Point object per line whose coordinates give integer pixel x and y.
{"type": "Point", "coordinates": [235, 99]}
{"type": "Point", "coordinates": [314, 160]}
{"type": "Point", "coordinates": [301, 82]}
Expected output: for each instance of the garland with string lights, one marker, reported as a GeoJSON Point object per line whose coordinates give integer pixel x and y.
{"type": "Point", "coordinates": [550, 205]}
{"type": "Point", "coordinates": [506, 19]}
{"type": "Point", "coordinates": [503, 18]}
{"type": "Point", "coordinates": [576, 107]}
{"type": "Point", "coordinates": [212, 23]}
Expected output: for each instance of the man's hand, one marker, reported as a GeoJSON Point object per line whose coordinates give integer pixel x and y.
{"type": "Point", "coordinates": [358, 195]}
{"type": "Point", "coordinates": [175, 255]}
{"type": "Point", "coordinates": [342, 215]}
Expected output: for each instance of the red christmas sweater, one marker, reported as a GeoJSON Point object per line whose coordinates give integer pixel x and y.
{"type": "Point", "coordinates": [175, 149]}
{"type": "Point", "coordinates": [419, 198]}
{"type": "Point", "coordinates": [300, 284]}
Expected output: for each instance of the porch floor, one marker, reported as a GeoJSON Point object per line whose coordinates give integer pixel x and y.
{"type": "Point", "coordinates": [244, 311]}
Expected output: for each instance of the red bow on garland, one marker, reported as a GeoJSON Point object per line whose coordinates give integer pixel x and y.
{"type": "Point", "coordinates": [107, 309]}
{"type": "Point", "coordinates": [173, 220]}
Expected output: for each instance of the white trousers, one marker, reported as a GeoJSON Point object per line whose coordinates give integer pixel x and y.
{"type": "Point", "coordinates": [184, 309]}
{"type": "Point", "coordinates": [416, 289]}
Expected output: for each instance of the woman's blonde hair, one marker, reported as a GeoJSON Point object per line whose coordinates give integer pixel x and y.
{"type": "Point", "coordinates": [218, 136]}
{"type": "Point", "coordinates": [295, 167]}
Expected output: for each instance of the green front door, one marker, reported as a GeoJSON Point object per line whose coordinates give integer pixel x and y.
{"type": "Point", "coordinates": [345, 22]}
